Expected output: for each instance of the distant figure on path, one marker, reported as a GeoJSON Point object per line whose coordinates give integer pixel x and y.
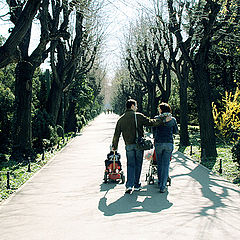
{"type": "Point", "coordinates": [163, 141]}
{"type": "Point", "coordinates": [127, 126]}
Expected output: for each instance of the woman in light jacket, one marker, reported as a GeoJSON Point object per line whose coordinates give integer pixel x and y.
{"type": "Point", "coordinates": [163, 141]}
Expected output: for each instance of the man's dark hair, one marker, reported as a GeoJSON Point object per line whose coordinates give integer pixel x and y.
{"type": "Point", "coordinates": [130, 102]}
{"type": "Point", "coordinates": [165, 107]}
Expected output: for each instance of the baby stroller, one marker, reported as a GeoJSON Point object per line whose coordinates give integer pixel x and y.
{"type": "Point", "coordinates": [113, 168]}
{"type": "Point", "coordinates": [153, 170]}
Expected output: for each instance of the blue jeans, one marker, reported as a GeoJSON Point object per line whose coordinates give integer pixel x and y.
{"type": "Point", "coordinates": [134, 165]}
{"type": "Point", "coordinates": [163, 155]}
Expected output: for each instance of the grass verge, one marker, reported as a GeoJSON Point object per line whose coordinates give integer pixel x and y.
{"type": "Point", "coordinates": [19, 173]}
{"type": "Point", "coordinates": [222, 166]}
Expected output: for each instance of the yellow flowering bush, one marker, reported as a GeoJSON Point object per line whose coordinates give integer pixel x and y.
{"type": "Point", "coordinates": [227, 120]}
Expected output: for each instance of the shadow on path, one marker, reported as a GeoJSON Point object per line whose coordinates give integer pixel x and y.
{"type": "Point", "coordinates": [211, 186]}
{"type": "Point", "coordinates": [146, 200]}
{"type": "Point", "coordinates": [107, 186]}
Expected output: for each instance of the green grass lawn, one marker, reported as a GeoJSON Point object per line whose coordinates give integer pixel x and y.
{"type": "Point", "coordinates": [230, 170]}
{"type": "Point", "coordinates": [19, 172]}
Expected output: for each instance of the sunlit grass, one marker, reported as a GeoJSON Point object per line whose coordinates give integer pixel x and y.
{"type": "Point", "coordinates": [229, 169]}
{"type": "Point", "coordinates": [19, 172]}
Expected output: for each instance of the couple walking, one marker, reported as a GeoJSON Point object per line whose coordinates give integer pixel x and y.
{"type": "Point", "coordinates": [164, 126]}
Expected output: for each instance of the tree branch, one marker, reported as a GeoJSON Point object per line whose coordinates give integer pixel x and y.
{"type": "Point", "coordinates": [9, 52]}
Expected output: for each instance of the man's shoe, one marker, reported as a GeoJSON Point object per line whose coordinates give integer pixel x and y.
{"type": "Point", "coordinates": [128, 190]}
{"type": "Point", "coordinates": [138, 188]}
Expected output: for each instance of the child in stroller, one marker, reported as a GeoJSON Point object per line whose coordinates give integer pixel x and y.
{"type": "Point", "coordinates": [113, 168]}
{"type": "Point", "coordinates": [153, 170]}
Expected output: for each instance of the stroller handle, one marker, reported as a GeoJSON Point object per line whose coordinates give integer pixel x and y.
{"type": "Point", "coordinates": [114, 159]}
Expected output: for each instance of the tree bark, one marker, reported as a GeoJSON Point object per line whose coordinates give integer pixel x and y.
{"type": "Point", "coordinates": [54, 100]}
{"type": "Point", "coordinates": [182, 69]}
{"type": "Point", "coordinates": [184, 135]}
{"type": "Point", "coordinates": [152, 100]}
{"type": "Point", "coordinates": [139, 93]}
{"type": "Point", "coordinates": [23, 94]}
{"type": "Point", "coordinates": [71, 121]}
{"type": "Point", "coordinates": [206, 122]}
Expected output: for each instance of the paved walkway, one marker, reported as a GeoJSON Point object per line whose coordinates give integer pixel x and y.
{"type": "Point", "coordinates": [67, 200]}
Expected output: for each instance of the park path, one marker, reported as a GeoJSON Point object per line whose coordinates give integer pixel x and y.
{"type": "Point", "coordinates": [67, 200]}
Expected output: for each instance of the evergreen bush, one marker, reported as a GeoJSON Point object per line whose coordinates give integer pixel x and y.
{"type": "Point", "coordinates": [43, 129]}
{"type": "Point", "coordinates": [236, 153]}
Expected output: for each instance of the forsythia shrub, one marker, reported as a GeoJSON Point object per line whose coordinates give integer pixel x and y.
{"type": "Point", "coordinates": [227, 120]}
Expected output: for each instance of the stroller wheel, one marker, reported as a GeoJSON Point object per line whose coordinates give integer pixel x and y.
{"type": "Point", "coordinates": [169, 181]}
{"type": "Point", "coordinates": [105, 179]}
{"type": "Point", "coordinates": [122, 178]}
{"type": "Point", "coordinates": [147, 175]}
{"type": "Point", "coordinates": [151, 180]}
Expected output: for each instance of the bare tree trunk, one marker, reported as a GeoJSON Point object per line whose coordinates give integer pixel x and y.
{"type": "Point", "coordinates": [139, 96]}
{"type": "Point", "coordinates": [183, 84]}
{"type": "Point", "coordinates": [62, 112]}
{"type": "Point", "coordinates": [152, 100]}
{"type": "Point", "coordinates": [164, 82]}
{"type": "Point", "coordinates": [54, 100]}
{"type": "Point", "coordinates": [71, 121]}
{"type": "Point", "coordinates": [23, 93]}
{"type": "Point", "coordinates": [207, 133]}
{"type": "Point", "coordinates": [184, 136]}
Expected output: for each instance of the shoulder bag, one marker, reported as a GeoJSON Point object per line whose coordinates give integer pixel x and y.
{"type": "Point", "coordinates": [142, 143]}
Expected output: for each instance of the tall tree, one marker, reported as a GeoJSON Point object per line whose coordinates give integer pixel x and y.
{"type": "Point", "coordinates": [203, 21]}
{"type": "Point", "coordinates": [178, 65]}
{"type": "Point", "coordinates": [70, 55]}
{"type": "Point", "coordinates": [125, 87]}
{"type": "Point", "coordinates": [25, 69]}
{"type": "Point", "coordinates": [149, 64]}
{"type": "Point", "coordinates": [23, 86]}
{"type": "Point", "coordinates": [209, 23]}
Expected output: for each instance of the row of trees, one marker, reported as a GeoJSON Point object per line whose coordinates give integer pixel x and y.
{"type": "Point", "coordinates": [184, 52]}
{"type": "Point", "coordinates": [43, 105]}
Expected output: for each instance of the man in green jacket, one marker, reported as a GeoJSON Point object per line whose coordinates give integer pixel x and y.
{"type": "Point", "coordinates": [127, 126]}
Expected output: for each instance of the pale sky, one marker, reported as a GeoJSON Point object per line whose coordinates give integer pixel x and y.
{"type": "Point", "coordinates": [118, 15]}
{"type": "Point", "coordinates": [121, 13]}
